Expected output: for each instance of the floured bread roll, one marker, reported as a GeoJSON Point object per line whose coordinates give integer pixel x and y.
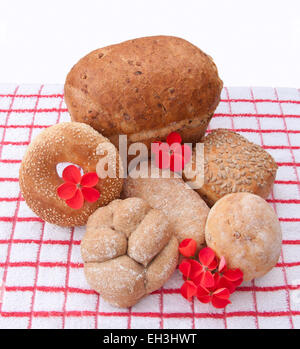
{"type": "Point", "coordinates": [185, 209]}
{"type": "Point", "coordinates": [244, 229]}
{"type": "Point", "coordinates": [128, 250]}
{"type": "Point", "coordinates": [233, 164]}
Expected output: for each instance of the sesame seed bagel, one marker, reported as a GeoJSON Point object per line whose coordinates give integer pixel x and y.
{"type": "Point", "coordinates": [71, 142]}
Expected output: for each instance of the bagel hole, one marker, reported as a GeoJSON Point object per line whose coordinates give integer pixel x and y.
{"type": "Point", "coordinates": [62, 165]}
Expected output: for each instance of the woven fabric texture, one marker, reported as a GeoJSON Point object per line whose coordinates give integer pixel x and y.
{"type": "Point", "coordinates": [41, 269]}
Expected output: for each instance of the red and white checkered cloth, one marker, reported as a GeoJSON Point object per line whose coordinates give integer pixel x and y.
{"type": "Point", "coordinates": [43, 285]}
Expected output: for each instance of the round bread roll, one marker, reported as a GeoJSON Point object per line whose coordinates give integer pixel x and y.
{"type": "Point", "coordinates": [244, 229]}
{"type": "Point", "coordinates": [185, 209]}
{"type": "Point", "coordinates": [68, 142]}
{"type": "Point", "coordinates": [234, 164]}
{"type": "Point", "coordinates": [145, 88]}
{"type": "Point", "coordinates": [128, 250]}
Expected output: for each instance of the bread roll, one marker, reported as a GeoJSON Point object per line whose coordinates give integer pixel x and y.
{"type": "Point", "coordinates": [145, 88]}
{"type": "Point", "coordinates": [233, 164]}
{"type": "Point", "coordinates": [128, 250]}
{"type": "Point", "coordinates": [184, 208]}
{"type": "Point", "coordinates": [244, 229]}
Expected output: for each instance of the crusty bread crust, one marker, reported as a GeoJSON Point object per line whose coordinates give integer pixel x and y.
{"type": "Point", "coordinates": [71, 142]}
{"type": "Point", "coordinates": [234, 164]}
{"type": "Point", "coordinates": [144, 84]}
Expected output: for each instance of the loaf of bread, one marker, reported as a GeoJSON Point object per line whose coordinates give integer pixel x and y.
{"type": "Point", "coordinates": [244, 228]}
{"type": "Point", "coordinates": [233, 164]}
{"type": "Point", "coordinates": [184, 208]}
{"type": "Point", "coordinates": [145, 88]}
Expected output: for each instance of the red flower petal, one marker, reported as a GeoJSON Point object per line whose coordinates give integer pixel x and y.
{"type": "Point", "coordinates": [185, 267]}
{"type": "Point", "coordinates": [188, 290]}
{"type": "Point", "coordinates": [196, 269]}
{"type": "Point", "coordinates": [66, 190]}
{"type": "Point", "coordinates": [155, 147]}
{"type": "Point", "coordinates": [90, 194]}
{"type": "Point", "coordinates": [176, 148]}
{"type": "Point", "coordinates": [222, 265]}
{"type": "Point", "coordinates": [224, 283]}
{"type": "Point", "coordinates": [206, 256]}
{"type": "Point", "coordinates": [176, 162]}
{"type": "Point", "coordinates": [190, 268]}
{"type": "Point", "coordinates": [162, 159]}
{"type": "Point", "coordinates": [219, 303]}
{"type": "Point", "coordinates": [203, 295]}
{"type": "Point", "coordinates": [233, 274]}
{"type": "Point", "coordinates": [217, 278]}
{"type": "Point", "coordinates": [207, 279]}
{"type": "Point", "coordinates": [89, 179]}
{"type": "Point", "coordinates": [222, 293]}
{"type": "Point", "coordinates": [76, 201]}
{"type": "Point", "coordinates": [220, 298]}
{"type": "Point", "coordinates": [71, 174]}
{"type": "Point", "coordinates": [186, 153]}
{"type": "Point", "coordinates": [188, 247]}
{"type": "Point", "coordinates": [174, 137]}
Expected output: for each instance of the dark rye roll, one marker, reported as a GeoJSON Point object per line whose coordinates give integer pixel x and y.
{"type": "Point", "coordinates": [145, 88]}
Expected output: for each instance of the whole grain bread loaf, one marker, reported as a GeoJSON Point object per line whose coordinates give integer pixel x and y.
{"type": "Point", "coordinates": [145, 88]}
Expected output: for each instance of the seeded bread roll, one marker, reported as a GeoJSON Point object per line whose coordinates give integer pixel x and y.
{"type": "Point", "coordinates": [145, 88]}
{"type": "Point", "coordinates": [233, 164]}
{"type": "Point", "coordinates": [244, 229]}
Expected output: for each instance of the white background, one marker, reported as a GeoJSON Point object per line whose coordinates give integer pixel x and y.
{"type": "Point", "coordinates": [253, 42]}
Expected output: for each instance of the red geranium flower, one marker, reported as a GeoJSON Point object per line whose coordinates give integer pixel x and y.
{"type": "Point", "coordinates": [188, 290]}
{"type": "Point", "coordinates": [231, 279]}
{"type": "Point", "coordinates": [208, 260]}
{"type": "Point", "coordinates": [77, 188]}
{"type": "Point", "coordinates": [214, 282]}
{"type": "Point", "coordinates": [188, 247]}
{"type": "Point", "coordinates": [219, 297]}
{"type": "Point", "coordinates": [172, 154]}
{"type": "Point", "coordinates": [190, 269]}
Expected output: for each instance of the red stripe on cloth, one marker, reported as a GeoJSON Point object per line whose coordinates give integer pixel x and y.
{"type": "Point", "coordinates": [38, 242]}
{"type": "Point", "coordinates": [58, 95]}
{"type": "Point", "coordinates": [53, 289]}
{"type": "Point", "coordinates": [239, 100]}
{"type": "Point", "coordinates": [41, 110]}
{"type": "Point", "coordinates": [43, 226]}
{"type": "Point", "coordinates": [15, 213]}
{"type": "Point", "coordinates": [262, 144]}
{"type": "Point", "coordinates": [43, 264]}
{"type": "Point", "coordinates": [149, 314]}
{"type": "Point", "coordinates": [251, 115]}
{"type": "Point", "coordinates": [67, 277]}
{"type": "Point", "coordinates": [233, 100]}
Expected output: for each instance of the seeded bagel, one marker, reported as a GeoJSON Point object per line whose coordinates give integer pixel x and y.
{"type": "Point", "coordinates": [234, 164]}
{"type": "Point", "coordinates": [70, 142]}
